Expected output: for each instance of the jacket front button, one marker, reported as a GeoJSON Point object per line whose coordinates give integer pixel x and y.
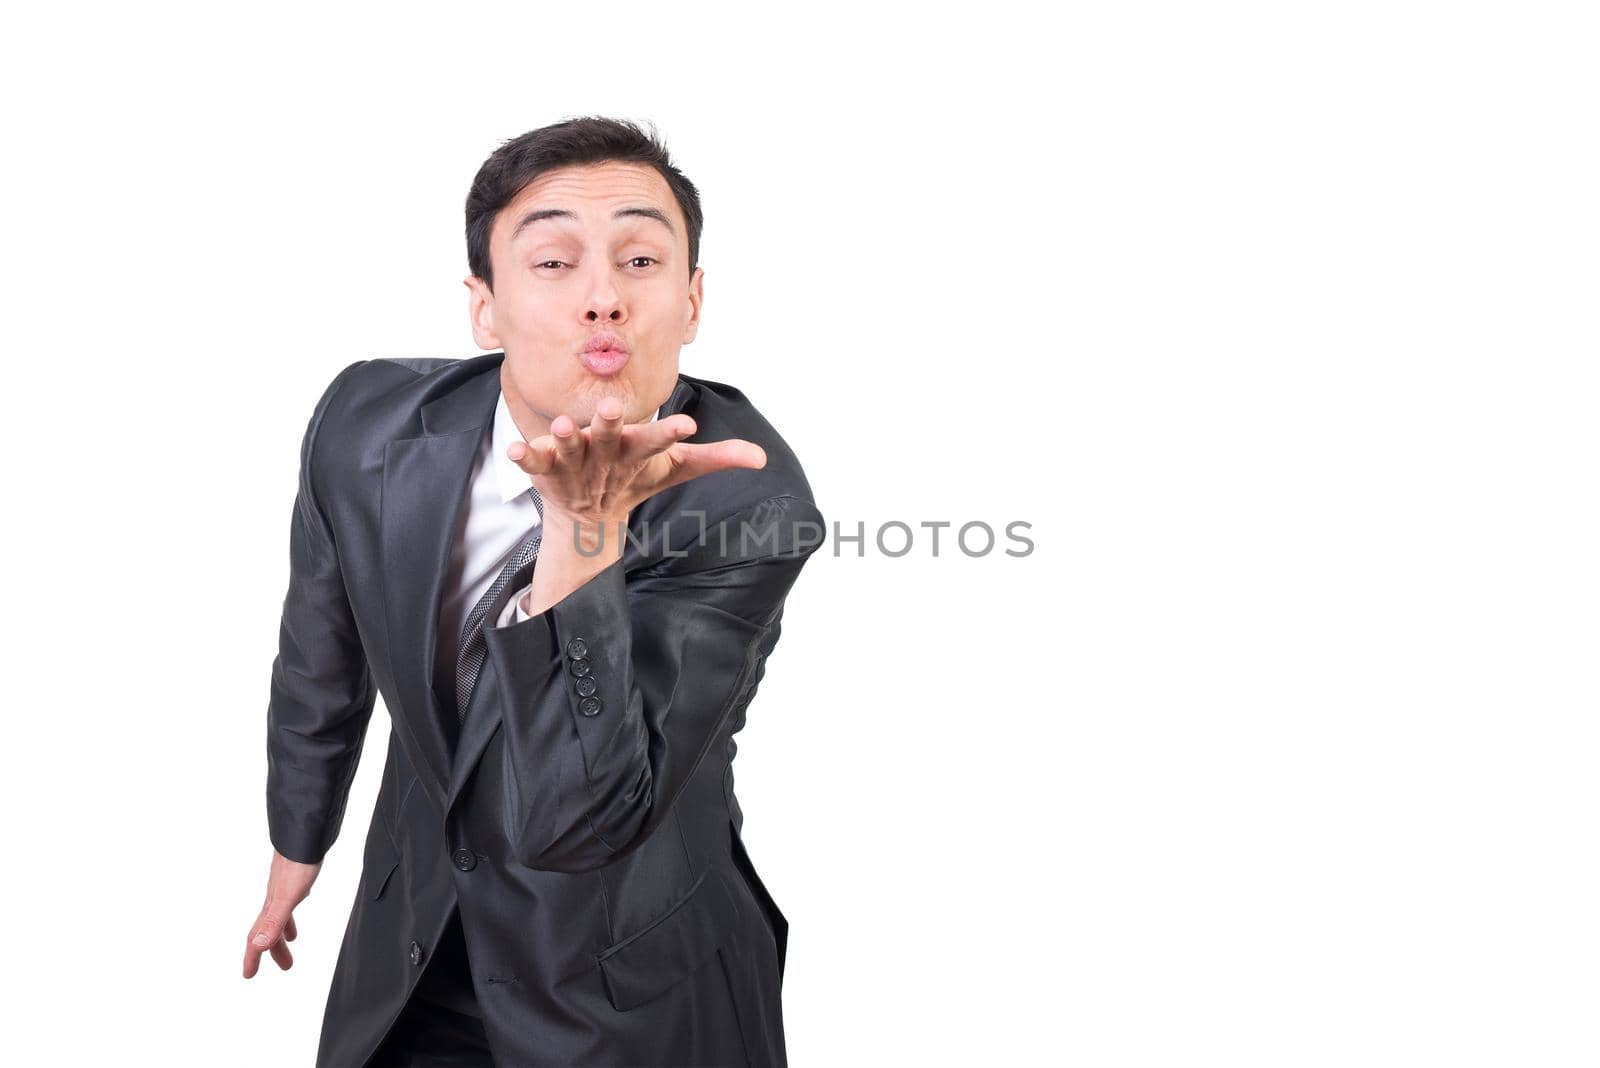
{"type": "Point", "coordinates": [577, 649]}
{"type": "Point", "coordinates": [465, 859]}
{"type": "Point", "coordinates": [589, 706]}
{"type": "Point", "coordinates": [416, 953]}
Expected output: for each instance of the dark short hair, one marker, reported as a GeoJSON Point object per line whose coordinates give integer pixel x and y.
{"type": "Point", "coordinates": [583, 141]}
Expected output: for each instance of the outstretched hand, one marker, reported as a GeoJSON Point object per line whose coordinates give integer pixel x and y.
{"type": "Point", "coordinates": [599, 473]}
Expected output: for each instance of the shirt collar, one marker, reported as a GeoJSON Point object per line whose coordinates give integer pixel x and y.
{"type": "Point", "coordinates": [512, 480]}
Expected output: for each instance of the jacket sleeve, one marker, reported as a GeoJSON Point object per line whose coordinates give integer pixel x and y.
{"type": "Point", "coordinates": [612, 697]}
{"type": "Point", "coordinates": [321, 692]}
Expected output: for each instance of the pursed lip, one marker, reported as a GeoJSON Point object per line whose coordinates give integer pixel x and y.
{"type": "Point", "coordinates": [605, 341]}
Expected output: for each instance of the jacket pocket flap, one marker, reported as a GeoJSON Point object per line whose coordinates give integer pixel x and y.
{"type": "Point", "coordinates": [379, 860]}
{"type": "Point", "coordinates": [647, 963]}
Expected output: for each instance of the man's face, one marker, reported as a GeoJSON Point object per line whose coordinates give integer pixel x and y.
{"type": "Point", "coordinates": [597, 267]}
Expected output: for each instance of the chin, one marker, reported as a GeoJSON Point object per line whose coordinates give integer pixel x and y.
{"type": "Point", "coordinates": [588, 395]}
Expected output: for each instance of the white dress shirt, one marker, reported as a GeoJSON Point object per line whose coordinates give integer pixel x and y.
{"type": "Point", "coordinates": [498, 515]}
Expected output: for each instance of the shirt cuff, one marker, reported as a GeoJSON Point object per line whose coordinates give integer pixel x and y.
{"type": "Point", "coordinates": [513, 614]}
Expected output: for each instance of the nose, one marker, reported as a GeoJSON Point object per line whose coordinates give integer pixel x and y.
{"type": "Point", "coordinates": [605, 299]}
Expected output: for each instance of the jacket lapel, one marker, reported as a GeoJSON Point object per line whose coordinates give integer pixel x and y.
{"type": "Point", "coordinates": [424, 491]}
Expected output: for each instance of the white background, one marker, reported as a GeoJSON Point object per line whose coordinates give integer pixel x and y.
{"type": "Point", "coordinates": [1277, 323]}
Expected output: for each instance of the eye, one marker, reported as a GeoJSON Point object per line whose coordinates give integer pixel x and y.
{"type": "Point", "coordinates": [547, 263]}
{"type": "Point", "coordinates": [636, 259]}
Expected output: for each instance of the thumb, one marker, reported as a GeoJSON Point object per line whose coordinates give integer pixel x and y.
{"type": "Point", "coordinates": [686, 461]}
{"type": "Point", "coordinates": [269, 928]}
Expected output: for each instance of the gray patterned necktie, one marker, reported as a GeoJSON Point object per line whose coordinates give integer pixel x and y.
{"type": "Point", "coordinates": [473, 645]}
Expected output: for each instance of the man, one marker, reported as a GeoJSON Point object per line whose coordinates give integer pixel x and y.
{"type": "Point", "coordinates": [563, 566]}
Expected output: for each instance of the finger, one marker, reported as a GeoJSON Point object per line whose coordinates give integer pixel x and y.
{"type": "Point", "coordinates": [650, 438]}
{"type": "Point", "coordinates": [252, 960]}
{"type": "Point", "coordinates": [568, 441]}
{"type": "Point", "coordinates": [289, 931]}
{"type": "Point", "coordinates": [281, 954]}
{"type": "Point", "coordinates": [605, 430]}
{"type": "Point", "coordinates": [536, 457]}
{"type": "Point", "coordinates": [693, 460]}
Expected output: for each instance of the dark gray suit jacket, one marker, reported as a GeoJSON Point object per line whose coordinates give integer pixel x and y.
{"type": "Point", "coordinates": [609, 908]}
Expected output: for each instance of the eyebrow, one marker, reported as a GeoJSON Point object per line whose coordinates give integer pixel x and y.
{"type": "Point", "coordinates": [562, 213]}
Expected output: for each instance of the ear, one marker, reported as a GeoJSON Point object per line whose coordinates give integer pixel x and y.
{"type": "Point", "coordinates": [697, 296]}
{"type": "Point", "coordinates": [480, 313]}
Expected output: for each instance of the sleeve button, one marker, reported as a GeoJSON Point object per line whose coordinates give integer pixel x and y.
{"type": "Point", "coordinates": [589, 706]}
{"type": "Point", "coordinates": [585, 686]}
{"type": "Point", "coordinates": [580, 667]}
{"type": "Point", "coordinates": [577, 648]}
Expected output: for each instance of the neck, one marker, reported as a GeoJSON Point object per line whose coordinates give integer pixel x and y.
{"type": "Point", "coordinates": [529, 422]}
